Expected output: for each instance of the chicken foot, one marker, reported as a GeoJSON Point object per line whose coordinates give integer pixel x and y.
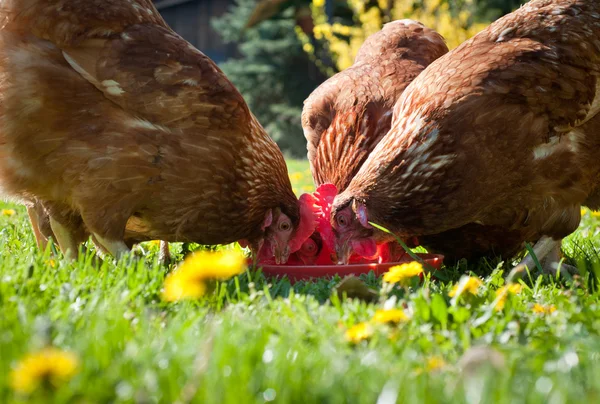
{"type": "Point", "coordinates": [547, 251]}
{"type": "Point", "coordinates": [116, 248]}
{"type": "Point", "coordinates": [44, 231]}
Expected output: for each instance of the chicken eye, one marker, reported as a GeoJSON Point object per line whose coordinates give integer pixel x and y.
{"type": "Point", "coordinates": [342, 221]}
{"type": "Point", "coordinates": [285, 226]}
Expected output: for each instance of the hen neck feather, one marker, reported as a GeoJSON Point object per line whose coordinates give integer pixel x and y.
{"type": "Point", "coordinates": [405, 170]}
{"type": "Point", "coordinates": [264, 176]}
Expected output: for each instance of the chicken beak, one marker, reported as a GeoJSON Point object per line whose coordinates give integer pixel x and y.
{"type": "Point", "coordinates": [343, 253]}
{"type": "Point", "coordinates": [281, 254]}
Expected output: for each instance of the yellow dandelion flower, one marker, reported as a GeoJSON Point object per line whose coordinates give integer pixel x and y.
{"type": "Point", "coordinates": [434, 363]}
{"type": "Point", "coordinates": [154, 242]}
{"type": "Point", "coordinates": [51, 263]}
{"type": "Point", "coordinates": [403, 273]}
{"type": "Point", "coordinates": [319, 3]}
{"type": "Point", "coordinates": [188, 281]}
{"type": "Point", "coordinates": [50, 365]}
{"type": "Point", "coordinates": [470, 285]}
{"type": "Point", "coordinates": [8, 212]}
{"type": "Point", "coordinates": [596, 214]}
{"type": "Point", "coordinates": [390, 316]}
{"type": "Point", "coordinates": [219, 265]}
{"type": "Point", "coordinates": [583, 211]}
{"type": "Point", "coordinates": [359, 332]}
{"type": "Point", "coordinates": [539, 309]}
{"type": "Point", "coordinates": [503, 292]}
{"type": "Point", "coordinates": [179, 287]}
{"type": "Point", "coordinates": [298, 176]}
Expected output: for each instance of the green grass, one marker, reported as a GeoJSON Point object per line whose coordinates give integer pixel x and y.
{"type": "Point", "coordinates": [256, 340]}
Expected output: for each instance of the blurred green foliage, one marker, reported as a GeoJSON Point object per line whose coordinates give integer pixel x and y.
{"type": "Point", "coordinates": [492, 9]}
{"type": "Point", "coordinates": [272, 72]}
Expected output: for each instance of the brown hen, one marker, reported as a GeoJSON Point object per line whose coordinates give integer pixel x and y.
{"type": "Point", "coordinates": [120, 128]}
{"type": "Point", "coordinates": [345, 118]}
{"type": "Point", "coordinates": [502, 132]}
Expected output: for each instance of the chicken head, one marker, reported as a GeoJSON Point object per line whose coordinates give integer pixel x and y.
{"type": "Point", "coordinates": [278, 231]}
{"type": "Point", "coordinates": [353, 233]}
{"type": "Point", "coordinates": [281, 236]}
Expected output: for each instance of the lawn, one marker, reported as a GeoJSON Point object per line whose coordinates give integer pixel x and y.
{"type": "Point", "coordinates": [257, 340]}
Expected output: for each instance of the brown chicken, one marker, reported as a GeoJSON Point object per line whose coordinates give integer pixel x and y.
{"type": "Point", "coordinates": [502, 133]}
{"type": "Point", "coordinates": [121, 129]}
{"type": "Point", "coordinates": [347, 116]}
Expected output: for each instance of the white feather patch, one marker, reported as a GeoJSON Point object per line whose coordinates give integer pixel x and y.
{"type": "Point", "coordinates": [112, 87]}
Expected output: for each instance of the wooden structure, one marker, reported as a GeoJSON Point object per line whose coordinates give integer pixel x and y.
{"type": "Point", "coordinates": [191, 20]}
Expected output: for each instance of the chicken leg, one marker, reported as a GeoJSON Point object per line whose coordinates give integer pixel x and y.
{"type": "Point", "coordinates": [117, 248]}
{"type": "Point", "coordinates": [164, 256]}
{"type": "Point", "coordinates": [40, 219]}
{"type": "Point", "coordinates": [547, 251]}
{"type": "Point", "coordinates": [35, 220]}
{"type": "Point", "coordinates": [66, 240]}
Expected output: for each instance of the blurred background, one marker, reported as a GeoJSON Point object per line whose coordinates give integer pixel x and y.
{"type": "Point", "coordinates": [278, 51]}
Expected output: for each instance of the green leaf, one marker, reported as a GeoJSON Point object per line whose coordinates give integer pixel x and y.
{"type": "Point", "coordinates": [534, 257]}
{"type": "Point", "coordinates": [439, 309]}
{"type": "Point", "coordinates": [459, 314]}
{"type": "Point", "coordinates": [422, 308]}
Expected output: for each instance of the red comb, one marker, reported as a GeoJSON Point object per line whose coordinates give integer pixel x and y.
{"type": "Point", "coordinates": [309, 213]}
{"type": "Point", "coordinates": [325, 195]}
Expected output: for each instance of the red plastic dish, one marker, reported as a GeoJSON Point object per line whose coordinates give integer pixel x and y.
{"type": "Point", "coordinates": [306, 272]}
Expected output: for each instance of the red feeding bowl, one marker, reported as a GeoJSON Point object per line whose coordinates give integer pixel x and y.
{"type": "Point", "coordinates": [313, 259]}
{"type": "Point", "coordinates": [306, 272]}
